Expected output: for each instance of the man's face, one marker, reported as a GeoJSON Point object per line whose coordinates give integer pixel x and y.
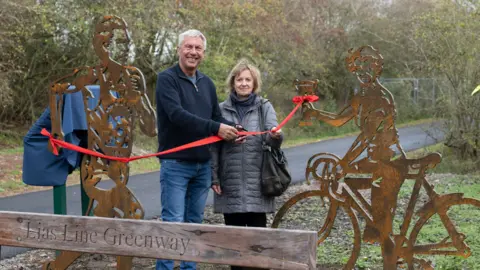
{"type": "Point", "coordinates": [191, 53]}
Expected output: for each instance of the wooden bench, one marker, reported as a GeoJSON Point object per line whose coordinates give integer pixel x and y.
{"type": "Point", "coordinates": [216, 244]}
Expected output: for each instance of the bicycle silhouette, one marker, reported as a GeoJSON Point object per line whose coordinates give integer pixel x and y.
{"type": "Point", "coordinates": [371, 164]}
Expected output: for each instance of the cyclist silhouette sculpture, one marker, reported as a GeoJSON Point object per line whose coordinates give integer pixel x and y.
{"type": "Point", "coordinates": [121, 100]}
{"type": "Point", "coordinates": [371, 164]}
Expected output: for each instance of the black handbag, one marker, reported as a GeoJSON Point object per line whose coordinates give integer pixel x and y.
{"type": "Point", "coordinates": [275, 177]}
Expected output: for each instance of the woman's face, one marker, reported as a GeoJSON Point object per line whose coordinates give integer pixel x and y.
{"type": "Point", "coordinates": [244, 83]}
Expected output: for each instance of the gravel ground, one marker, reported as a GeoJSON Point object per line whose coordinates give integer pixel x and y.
{"type": "Point", "coordinates": [309, 214]}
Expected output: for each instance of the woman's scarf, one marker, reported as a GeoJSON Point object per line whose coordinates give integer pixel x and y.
{"type": "Point", "coordinates": [242, 105]}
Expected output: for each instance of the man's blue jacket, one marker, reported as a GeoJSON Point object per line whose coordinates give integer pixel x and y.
{"type": "Point", "coordinates": [186, 112]}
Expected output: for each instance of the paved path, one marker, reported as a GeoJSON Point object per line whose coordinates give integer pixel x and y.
{"type": "Point", "coordinates": [146, 186]}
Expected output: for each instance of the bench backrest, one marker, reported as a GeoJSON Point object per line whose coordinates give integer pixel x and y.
{"type": "Point", "coordinates": [217, 244]}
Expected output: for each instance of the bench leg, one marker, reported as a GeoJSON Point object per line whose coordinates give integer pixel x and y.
{"type": "Point", "coordinates": [63, 260]}
{"type": "Point", "coordinates": [124, 263]}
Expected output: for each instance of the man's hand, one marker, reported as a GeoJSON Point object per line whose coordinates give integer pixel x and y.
{"type": "Point", "coordinates": [217, 189]}
{"type": "Point", "coordinates": [227, 132]}
{"type": "Point", "coordinates": [276, 134]}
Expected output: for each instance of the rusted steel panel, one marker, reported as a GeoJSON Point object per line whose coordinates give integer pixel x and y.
{"type": "Point", "coordinates": [121, 103]}
{"type": "Point", "coordinates": [380, 172]}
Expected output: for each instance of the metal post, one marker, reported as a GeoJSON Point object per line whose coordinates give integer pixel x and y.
{"type": "Point", "coordinates": [59, 203]}
{"type": "Point", "coordinates": [60, 200]}
{"type": "Point", "coordinates": [415, 91]}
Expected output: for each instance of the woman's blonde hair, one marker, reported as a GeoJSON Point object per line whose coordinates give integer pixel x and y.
{"type": "Point", "coordinates": [242, 65]}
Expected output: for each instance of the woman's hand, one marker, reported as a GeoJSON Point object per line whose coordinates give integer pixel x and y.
{"type": "Point", "coordinates": [241, 138]}
{"type": "Point", "coordinates": [217, 189]}
{"type": "Point", "coordinates": [275, 133]}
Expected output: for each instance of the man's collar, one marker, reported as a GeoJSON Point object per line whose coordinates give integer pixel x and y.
{"type": "Point", "coordinates": [182, 74]}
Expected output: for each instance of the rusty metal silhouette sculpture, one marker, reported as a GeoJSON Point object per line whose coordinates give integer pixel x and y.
{"type": "Point", "coordinates": [371, 165]}
{"type": "Point", "coordinates": [121, 102]}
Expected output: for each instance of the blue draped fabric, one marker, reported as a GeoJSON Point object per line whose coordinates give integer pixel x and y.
{"type": "Point", "coordinates": [40, 166]}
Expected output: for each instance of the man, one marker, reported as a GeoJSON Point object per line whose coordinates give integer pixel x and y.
{"type": "Point", "coordinates": [187, 109]}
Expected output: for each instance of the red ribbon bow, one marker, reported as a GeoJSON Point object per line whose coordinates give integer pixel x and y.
{"type": "Point", "coordinates": [306, 98]}
{"type": "Point", "coordinates": [44, 132]}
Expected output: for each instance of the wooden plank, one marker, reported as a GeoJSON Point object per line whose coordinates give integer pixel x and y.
{"type": "Point", "coordinates": [254, 247]}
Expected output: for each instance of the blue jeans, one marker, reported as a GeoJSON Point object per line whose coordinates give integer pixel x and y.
{"type": "Point", "coordinates": [184, 190]}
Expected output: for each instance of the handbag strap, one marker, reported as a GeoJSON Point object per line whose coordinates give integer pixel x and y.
{"type": "Point", "coordinates": [261, 118]}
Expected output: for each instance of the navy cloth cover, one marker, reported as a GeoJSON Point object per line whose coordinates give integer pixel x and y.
{"type": "Point", "coordinates": [40, 166]}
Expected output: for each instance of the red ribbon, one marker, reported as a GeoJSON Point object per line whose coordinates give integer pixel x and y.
{"type": "Point", "coordinates": [299, 100]}
{"type": "Point", "coordinates": [306, 98]}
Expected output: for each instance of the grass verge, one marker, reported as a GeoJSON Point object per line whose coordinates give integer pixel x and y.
{"type": "Point", "coordinates": [450, 162]}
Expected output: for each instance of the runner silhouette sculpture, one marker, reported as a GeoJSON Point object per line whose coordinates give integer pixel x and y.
{"type": "Point", "coordinates": [121, 102]}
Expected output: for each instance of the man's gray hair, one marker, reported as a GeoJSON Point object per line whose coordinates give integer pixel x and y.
{"type": "Point", "coordinates": [192, 33]}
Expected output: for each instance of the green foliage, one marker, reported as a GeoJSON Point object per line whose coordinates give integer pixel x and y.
{"type": "Point", "coordinates": [54, 37]}
{"type": "Point", "coordinates": [453, 57]}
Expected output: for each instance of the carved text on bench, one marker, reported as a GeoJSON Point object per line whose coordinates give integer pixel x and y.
{"type": "Point", "coordinates": [111, 236]}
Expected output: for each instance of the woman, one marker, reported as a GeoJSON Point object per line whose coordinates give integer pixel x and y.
{"type": "Point", "coordinates": [236, 167]}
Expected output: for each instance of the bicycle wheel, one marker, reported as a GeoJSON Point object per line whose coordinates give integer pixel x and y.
{"type": "Point", "coordinates": [314, 199]}
{"type": "Point", "coordinates": [452, 245]}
